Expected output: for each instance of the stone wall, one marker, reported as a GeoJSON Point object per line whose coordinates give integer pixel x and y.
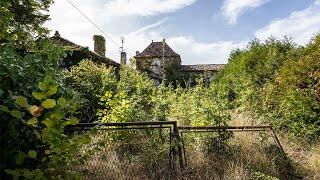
{"type": "Point", "coordinates": [153, 67]}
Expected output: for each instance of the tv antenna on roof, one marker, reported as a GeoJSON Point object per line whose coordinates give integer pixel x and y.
{"type": "Point", "coordinates": [122, 42]}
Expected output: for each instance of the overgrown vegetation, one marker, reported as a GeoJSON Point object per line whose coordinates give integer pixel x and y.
{"type": "Point", "coordinates": [278, 80]}
{"type": "Point", "coordinates": [275, 80]}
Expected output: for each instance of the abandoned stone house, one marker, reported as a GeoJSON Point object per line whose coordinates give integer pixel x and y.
{"type": "Point", "coordinates": [160, 62]}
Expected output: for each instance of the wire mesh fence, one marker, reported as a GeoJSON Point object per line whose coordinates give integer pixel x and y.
{"type": "Point", "coordinates": [161, 150]}
{"type": "Point", "coordinates": [127, 151]}
{"type": "Point", "coordinates": [232, 153]}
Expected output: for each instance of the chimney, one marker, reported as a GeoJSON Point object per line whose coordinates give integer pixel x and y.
{"type": "Point", "coordinates": [137, 53]}
{"type": "Point", "coordinates": [123, 58]}
{"type": "Point", "coordinates": [99, 45]}
{"type": "Point", "coordinates": [56, 34]}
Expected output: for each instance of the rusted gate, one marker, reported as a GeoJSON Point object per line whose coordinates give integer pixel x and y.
{"type": "Point", "coordinates": [163, 150]}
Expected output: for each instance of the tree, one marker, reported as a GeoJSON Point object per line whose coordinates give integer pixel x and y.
{"type": "Point", "coordinates": [22, 21]}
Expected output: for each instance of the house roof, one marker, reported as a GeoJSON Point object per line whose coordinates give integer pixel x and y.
{"type": "Point", "coordinates": [155, 49]}
{"type": "Point", "coordinates": [57, 39]}
{"type": "Point", "coordinates": [202, 67]}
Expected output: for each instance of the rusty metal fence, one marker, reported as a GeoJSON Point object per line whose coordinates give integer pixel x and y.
{"type": "Point", "coordinates": [163, 150]}
{"type": "Point", "coordinates": [233, 152]}
{"type": "Point", "coordinates": [130, 150]}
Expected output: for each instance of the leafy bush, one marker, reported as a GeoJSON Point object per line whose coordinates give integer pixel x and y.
{"type": "Point", "coordinates": [130, 101]}
{"type": "Point", "coordinates": [91, 80]}
{"type": "Point", "coordinates": [293, 96]}
{"type": "Point", "coordinates": [51, 152]}
{"type": "Point", "coordinates": [198, 106]}
{"type": "Point", "coordinates": [278, 80]}
{"type": "Point", "coordinates": [33, 144]}
{"type": "Point", "coordinates": [137, 99]}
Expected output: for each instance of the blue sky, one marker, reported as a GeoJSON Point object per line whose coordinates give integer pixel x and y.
{"type": "Point", "coordinates": [201, 31]}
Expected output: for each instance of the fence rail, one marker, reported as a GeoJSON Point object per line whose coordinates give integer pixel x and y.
{"type": "Point", "coordinates": [182, 144]}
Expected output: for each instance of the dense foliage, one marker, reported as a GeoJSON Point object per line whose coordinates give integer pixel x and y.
{"type": "Point", "coordinates": [278, 80]}
{"type": "Point", "coordinates": [136, 99]}
{"type": "Point", "coordinates": [91, 80]}
{"type": "Point", "coordinates": [21, 22]}
{"type": "Point", "coordinates": [35, 105]}
{"type": "Point", "coordinates": [275, 79]}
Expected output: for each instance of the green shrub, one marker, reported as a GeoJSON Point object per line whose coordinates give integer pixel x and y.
{"type": "Point", "coordinates": [198, 106]}
{"type": "Point", "coordinates": [91, 80]}
{"type": "Point", "coordinates": [50, 153]}
{"type": "Point", "coordinates": [130, 101]}
{"type": "Point", "coordinates": [275, 79]}
{"type": "Point", "coordinates": [293, 96]}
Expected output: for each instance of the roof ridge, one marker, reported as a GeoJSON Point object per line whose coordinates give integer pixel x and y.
{"type": "Point", "coordinates": [155, 49]}
{"type": "Point", "coordinates": [58, 38]}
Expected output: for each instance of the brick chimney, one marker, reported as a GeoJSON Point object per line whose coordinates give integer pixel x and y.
{"type": "Point", "coordinates": [99, 45]}
{"type": "Point", "coordinates": [123, 58]}
{"type": "Point", "coordinates": [137, 53]}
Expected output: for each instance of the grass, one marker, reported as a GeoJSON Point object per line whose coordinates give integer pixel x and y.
{"type": "Point", "coordinates": [305, 157]}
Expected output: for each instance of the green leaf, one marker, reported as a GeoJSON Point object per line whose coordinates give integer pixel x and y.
{"type": "Point", "coordinates": [42, 86]}
{"type": "Point", "coordinates": [58, 115]}
{"type": "Point", "coordinates": [4, 108]}
{"type": "Point", "coordinates": [38, 174]}
{"type": "Point", "coordinates": [84, 140]}
{"type": "Point", "coordinates": [20, 156]}
{"type": "Point", "coordinates": [16, 113]}
{"type": "Point", "coordinates": [48, 79]}
{"type": "Point", "coordinates": [52, 89]}
{"type": "Point", "coordinates": [48, 122]}
{"type": "Point", "coordinates": [49, 103]}
{"type": "Point", "coordinates": [32, 121]}
{"type": "Point", "coordinates": [62, 102]}
{"type": "Point", "coordinates": [22, 101]}
{"type": "Point", "coordinates": [73, 121]}
{"type": "Point", "coordinates": [32, 154]}
{"type": "Point", "coordinates": [39, 95]}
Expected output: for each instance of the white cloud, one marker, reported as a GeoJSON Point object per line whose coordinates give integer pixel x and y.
{"type": "Point", "coordinates": [300, 25]}
{"type": "Point", "coordinates": [148, 27]}
{"type": "Point", "coordinates": [73, 26]}
{"type": "Point", "coordinates": [190, 50]}
{"type": "Point", "coordinates": [195, 52]}
{"type": "Point", "coordinates": [144, 7]}
{"type": "Point", "coordinates": [116, 17]}
{"type": "Point", "coordinates": [232, 9]}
